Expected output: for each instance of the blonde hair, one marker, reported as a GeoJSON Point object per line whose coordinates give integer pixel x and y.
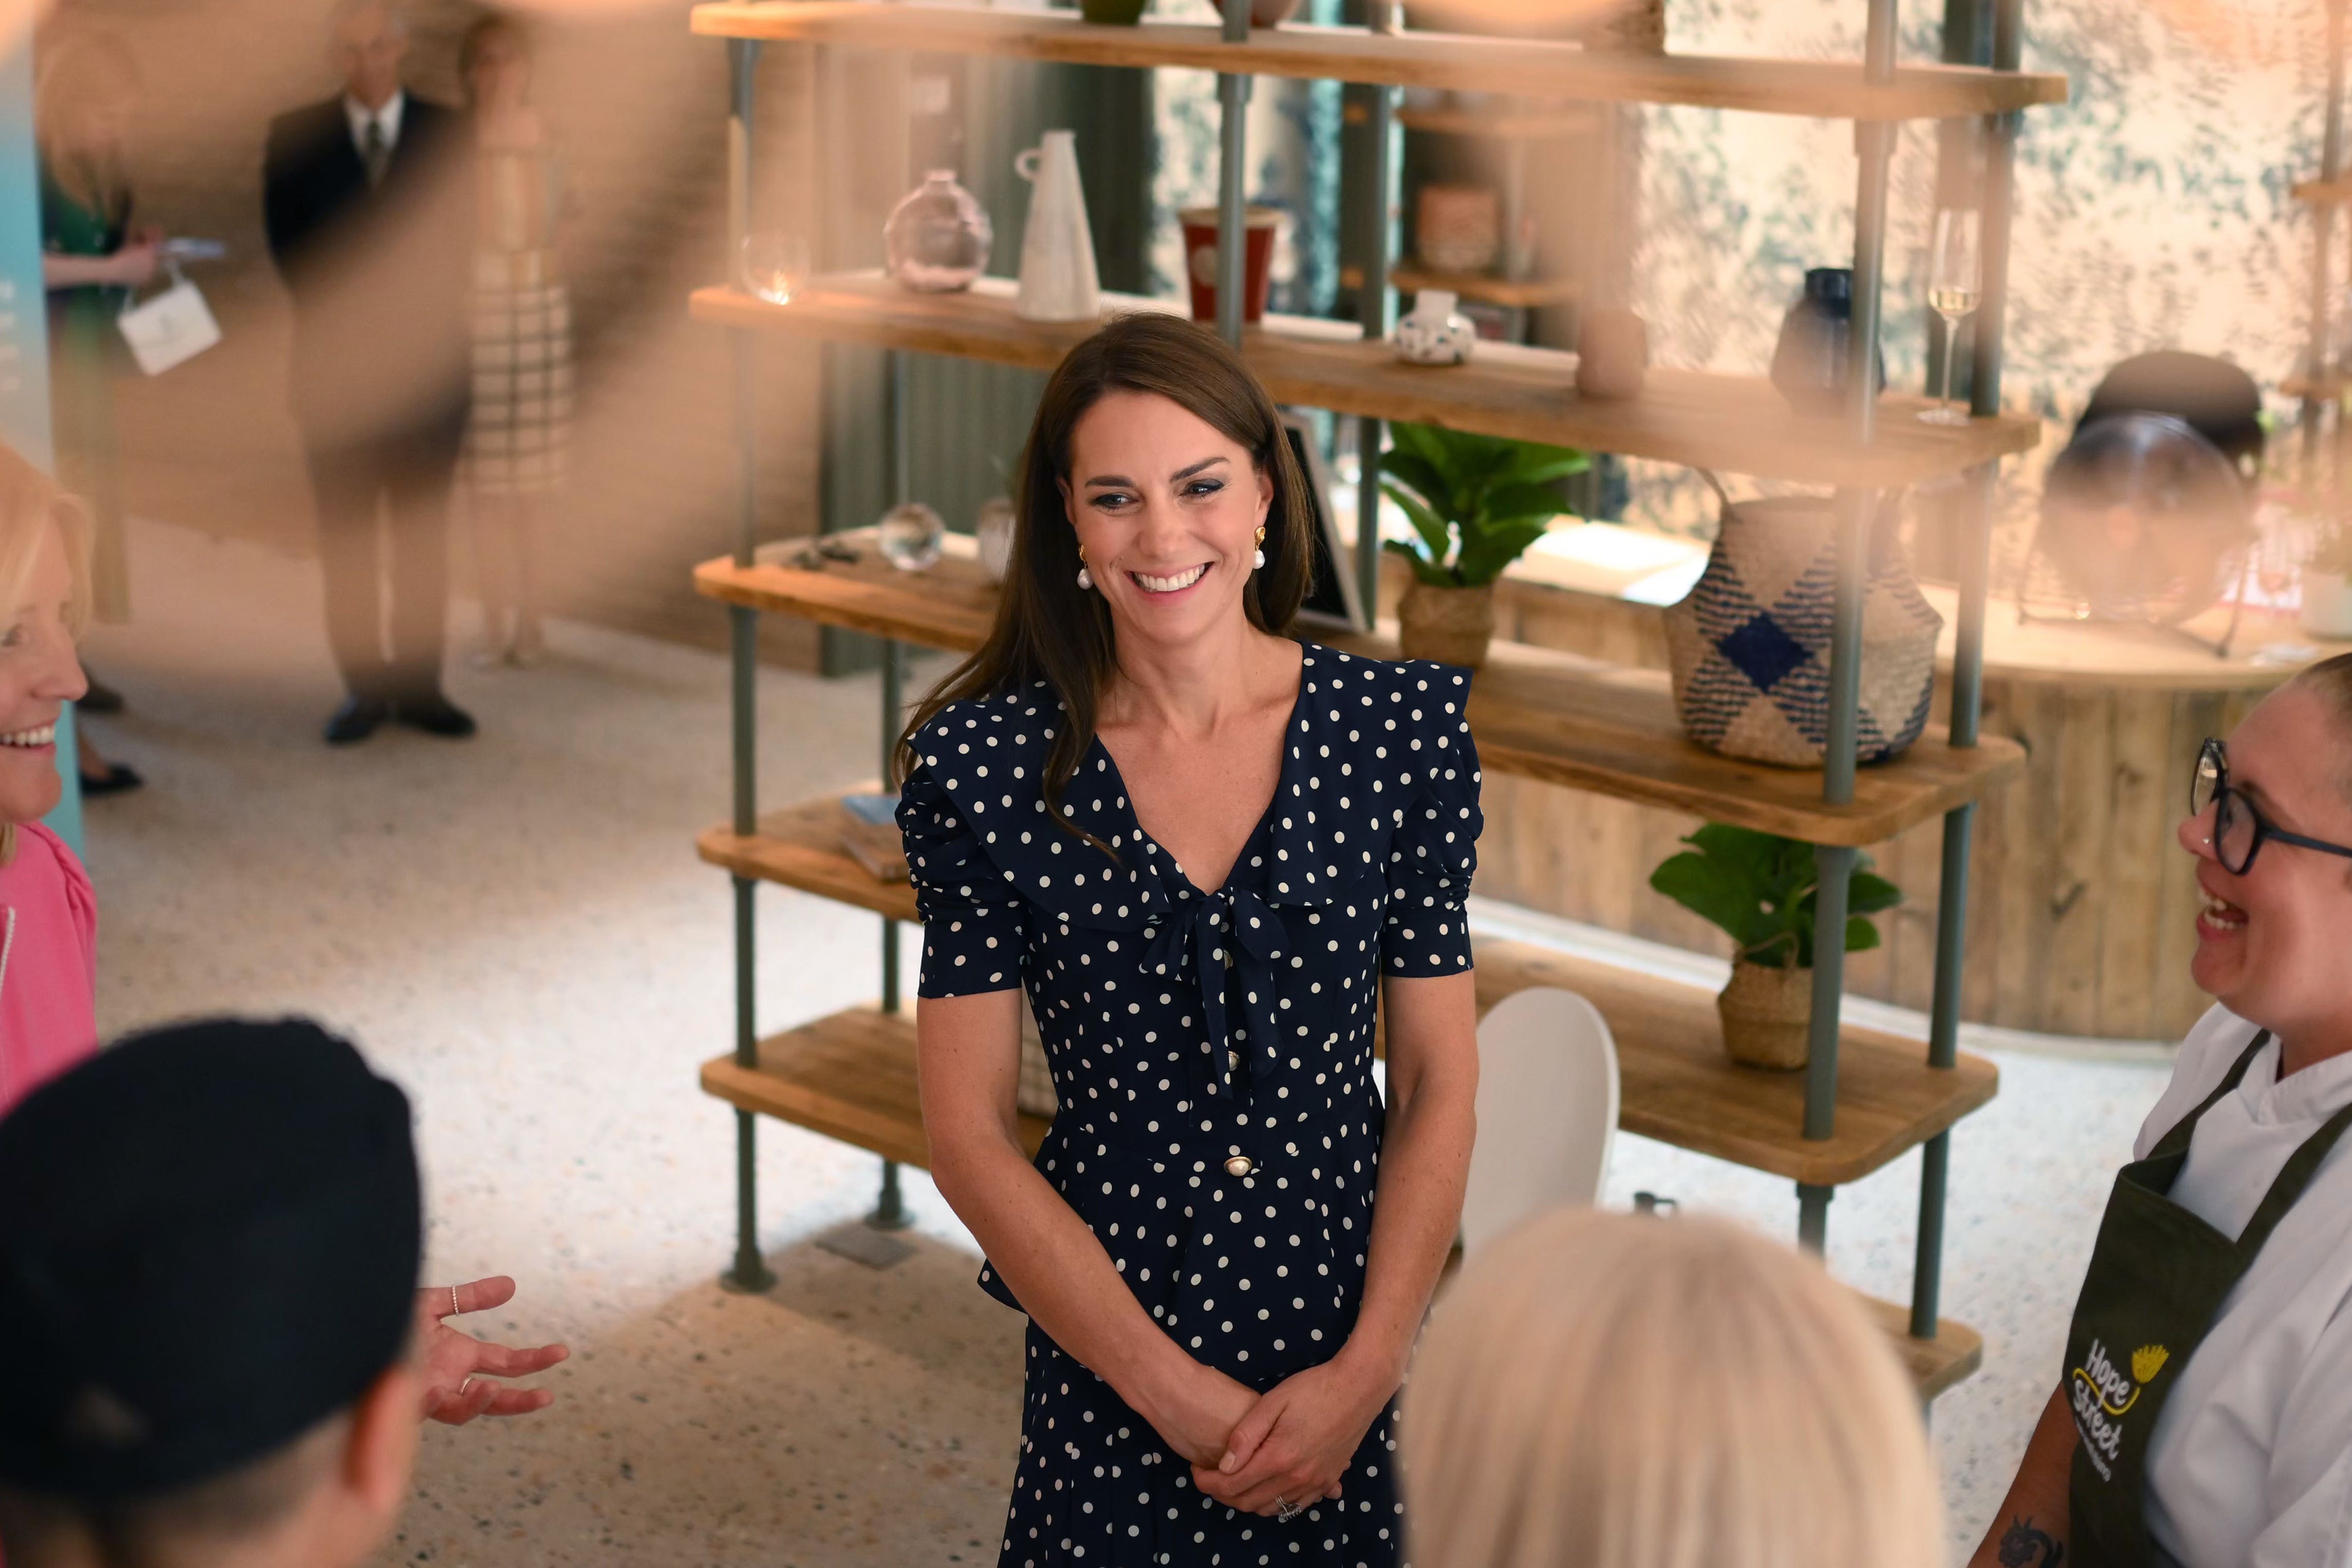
{"type": "Point", "coordinates": [1608, 1391]}
{"type": "Point", "coordinates": [30, 504]}
{"type": "Point", "coordinates": [79, 69]}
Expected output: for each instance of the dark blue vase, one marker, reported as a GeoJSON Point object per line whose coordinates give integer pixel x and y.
{"type": "Point", "coordinates": [1809, 364]}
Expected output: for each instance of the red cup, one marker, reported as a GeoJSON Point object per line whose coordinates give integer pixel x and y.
{"type": "Point", "coordinates": [1260, 225]}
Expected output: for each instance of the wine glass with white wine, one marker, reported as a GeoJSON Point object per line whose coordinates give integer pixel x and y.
{"type": "Point", "coordinates": [1955, 277]}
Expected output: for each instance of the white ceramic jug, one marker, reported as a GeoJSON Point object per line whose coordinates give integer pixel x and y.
{"type": "Point", "coordinates": [1058, 280]}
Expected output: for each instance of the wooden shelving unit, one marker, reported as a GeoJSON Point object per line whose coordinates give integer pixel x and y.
{"type": "Point", "coordinates": [1733, 424]}
{"type": "Point", "coordinates": [1866, 1098]}
{"type": "Point", "coordinates": [1545, 123]}
{"type": "Point", "coordinates": [1518, 294]}
{"type": "Point", "coordinates": [1535, 712]}
{"type": "Point", "coordinates": [1814, 88]}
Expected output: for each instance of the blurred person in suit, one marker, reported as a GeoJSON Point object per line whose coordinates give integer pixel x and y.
{"type": "Point", "coordinates": [364, 198]}
{"type": "Point", "coordinates": [87, 86]}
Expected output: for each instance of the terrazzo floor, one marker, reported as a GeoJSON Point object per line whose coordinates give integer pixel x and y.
{"type": "Point", "coordinates": [517, 930]}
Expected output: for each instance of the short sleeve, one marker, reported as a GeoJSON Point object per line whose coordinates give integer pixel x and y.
{"type": "Point", "coordinates": [974, 926]}
{"type": "Point", "coordinates": [1434, 851]}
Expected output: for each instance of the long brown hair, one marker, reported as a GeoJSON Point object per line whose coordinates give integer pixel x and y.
{"type": "Point", "coordinates": [1047, 627]}
{"type": "Point", "coordinates": [82, 69]}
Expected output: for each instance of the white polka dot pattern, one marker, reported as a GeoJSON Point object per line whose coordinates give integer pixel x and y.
{"type": "Point", "coordinates": [1187, 1029]}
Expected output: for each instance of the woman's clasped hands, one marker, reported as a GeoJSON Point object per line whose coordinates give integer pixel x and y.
{"type": "Point", "coordinates": [1294, 1441]}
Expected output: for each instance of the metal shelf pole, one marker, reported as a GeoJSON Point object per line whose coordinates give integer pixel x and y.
{"type": "Point", "coordinates": [1856, 508]}
{"type": "Point", "coordinates": [890, 1207]}
{"type": "Point", "coordinates": [749, 1271]}
{"type": "Point", "coordinates": [2323, 238]}
{"type": "Point", "coordinates": [1374, 138]}
{"type": "Point", "coordinates": [1975, 558]}
{"type": "Point", "coordinates": [1232, 176]}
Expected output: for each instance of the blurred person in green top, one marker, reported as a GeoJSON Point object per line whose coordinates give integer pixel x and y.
{"type": "Point", "coordinates": [85, 90]}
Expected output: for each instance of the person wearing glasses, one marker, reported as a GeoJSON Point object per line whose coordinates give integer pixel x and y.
{"type": "Point", "coordinates": [2203, 1415]}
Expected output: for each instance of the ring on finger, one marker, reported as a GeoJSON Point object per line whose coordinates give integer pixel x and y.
{"type": "Point", "coordinates": [453, 1301]}
{"type": "Point", "coordinates": [1285, 1511]}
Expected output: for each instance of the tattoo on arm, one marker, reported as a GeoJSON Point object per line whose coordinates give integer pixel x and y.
{"type": "Point", "coordinates": [2024, 1546]}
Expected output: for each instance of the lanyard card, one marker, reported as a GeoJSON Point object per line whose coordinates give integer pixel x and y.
{"type": "Point", "coordinates": [170, 329]}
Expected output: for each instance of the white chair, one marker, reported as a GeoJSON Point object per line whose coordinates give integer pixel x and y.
{"type": "Point", "coordinates": [1547, 1110]}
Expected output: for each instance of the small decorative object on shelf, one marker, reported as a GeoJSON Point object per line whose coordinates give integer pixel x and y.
{"type": "Point", "coordinates": [912, 537]}
{"type": "Point", "coordinates": [1260, 225]}
{"type": "Point", "coordinates": [1434, 332]}
{"type": "Point", "coordinates": [1058, 279]}
{"type": "Point", "coordinates": [1758, 888]}
{"type": "Point", "coordinates": [1122, 13]}
{"type": "Point", "coordinates": [1272, 13]}
{"type": "Point", "coordinates": [1475, 503]}
{"type": "Point", "coordinates": [993, 531]}
{"type": "Point", "coordinates": [939, 239]}
{"type": "Point", "coordinates": [2327, 582]}
{"type": "Point", "coordinates": [1612, 354]}
{"type": "Point", "coordinates": [1459, 228]}
{"type": "Point", "coordinates": [1748, 648]}
{"type": "Point", "coordinates": [775, 265]}
{"type": "Point", "coordinates": [1808, 364]}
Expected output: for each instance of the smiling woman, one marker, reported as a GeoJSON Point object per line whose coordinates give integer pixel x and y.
{"type": "Point", "coordinates": [49, 919]}
{"type": "Point", "coordinates": [2223, 1273]}
{"type": "Point", "coordinates": [1208, 856]}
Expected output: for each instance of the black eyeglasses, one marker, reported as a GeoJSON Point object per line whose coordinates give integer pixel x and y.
{"type": "Point", "coordinates": [2239, 830]}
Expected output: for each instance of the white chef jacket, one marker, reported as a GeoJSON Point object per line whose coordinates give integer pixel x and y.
{"type": "Point", "coordinates": [2250, 1464]}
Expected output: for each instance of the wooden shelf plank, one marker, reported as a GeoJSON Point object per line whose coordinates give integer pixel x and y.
{"type": "Point", "coordinates": [800, 846]}
{"type": "Point", "coordinates": [1733, 424]}
{"type": "Point", "coordinates": [2332, 193]}
{"type": "Point", "coordinates": [2300, 385]}
{"type": "Point", "coordinates": [1537, 123]}
{"type": "Point", "coordinates": [1818, 88]}
{"type": "Point", "coordinates": [852, 1076]}
{"type": "Point", "coordinates": [1536, 713]}
{"type": "Point", "coordinates": [1519, 294]}
{"type": "Point", "coordinates": [1678, 1087]}
{"type": "Point", "coordinates": [1936, 1365]}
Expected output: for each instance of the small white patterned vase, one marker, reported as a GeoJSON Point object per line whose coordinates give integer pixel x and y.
{"type": "Point", "coordinates": [1435, 332]}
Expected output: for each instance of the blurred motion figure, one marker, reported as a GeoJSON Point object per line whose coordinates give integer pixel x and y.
{"type": "Point", "coordinates": [367, 223]}
{"type": "Point", "coordinates": [519, 425]}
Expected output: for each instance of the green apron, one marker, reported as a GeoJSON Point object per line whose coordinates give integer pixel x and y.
{"type": "Point", "coordinates": [2158, 1276]}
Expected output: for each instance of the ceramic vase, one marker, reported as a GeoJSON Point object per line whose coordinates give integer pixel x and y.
{"type": "Point", "coordinates": [939, 238]}
{"type": "Point", "coordinates": [1749, 649]}
{"type": "Point", "coordinates": [2326, 604]}
{"type": "Point", "coordinates": [1434, 332]}
{"type": "Point", "coordinates": [1272, 13]}
{"type": "Point", "coordinates": [1767, 1015]}
{"type": "Point", "coordinates": [1452, 626]}
{"type": "Point", "coordinates": [992, 531]}
{"type": "Point", "coordinates": [1612, 355]}
{"type": "Point", "coordinates": [1058, 279]}
{"type": "Point", "coordinates": [1810, 361]}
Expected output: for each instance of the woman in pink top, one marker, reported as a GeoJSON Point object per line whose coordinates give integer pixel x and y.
{"type": "Point", "coordinates": [49, 917]}
{"type": "Point", "coordinates": [49, 920]}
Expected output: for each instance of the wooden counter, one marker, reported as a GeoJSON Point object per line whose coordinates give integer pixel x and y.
{"type": "Point", "coordinates": [2079, 921]}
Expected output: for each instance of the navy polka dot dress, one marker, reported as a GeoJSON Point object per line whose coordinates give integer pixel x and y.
{"type": "Point", "coordinates": [1192, 1034]}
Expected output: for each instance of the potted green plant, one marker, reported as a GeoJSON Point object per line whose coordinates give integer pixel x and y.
{"type": "Point", "coordinates": [1759, 886]}
{"type": "Point", "coordinates": [1476, 502]}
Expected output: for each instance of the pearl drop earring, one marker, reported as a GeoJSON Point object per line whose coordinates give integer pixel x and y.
{"type": "Point", "coordinates": [1259, 559]}
{"type": "Point", "coordinates": [1086, 578]}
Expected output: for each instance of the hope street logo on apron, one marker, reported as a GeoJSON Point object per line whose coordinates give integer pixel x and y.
{"type": "Point", "coordinates": [2104, 1395]}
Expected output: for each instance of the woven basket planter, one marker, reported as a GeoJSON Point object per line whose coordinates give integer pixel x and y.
{"type": "Point", "coordinates": [1452, 626]}
{"type": "Point", "coordinates": [1767, 1015]}
{"type": "Point", "coordinates": [1749, 647]}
